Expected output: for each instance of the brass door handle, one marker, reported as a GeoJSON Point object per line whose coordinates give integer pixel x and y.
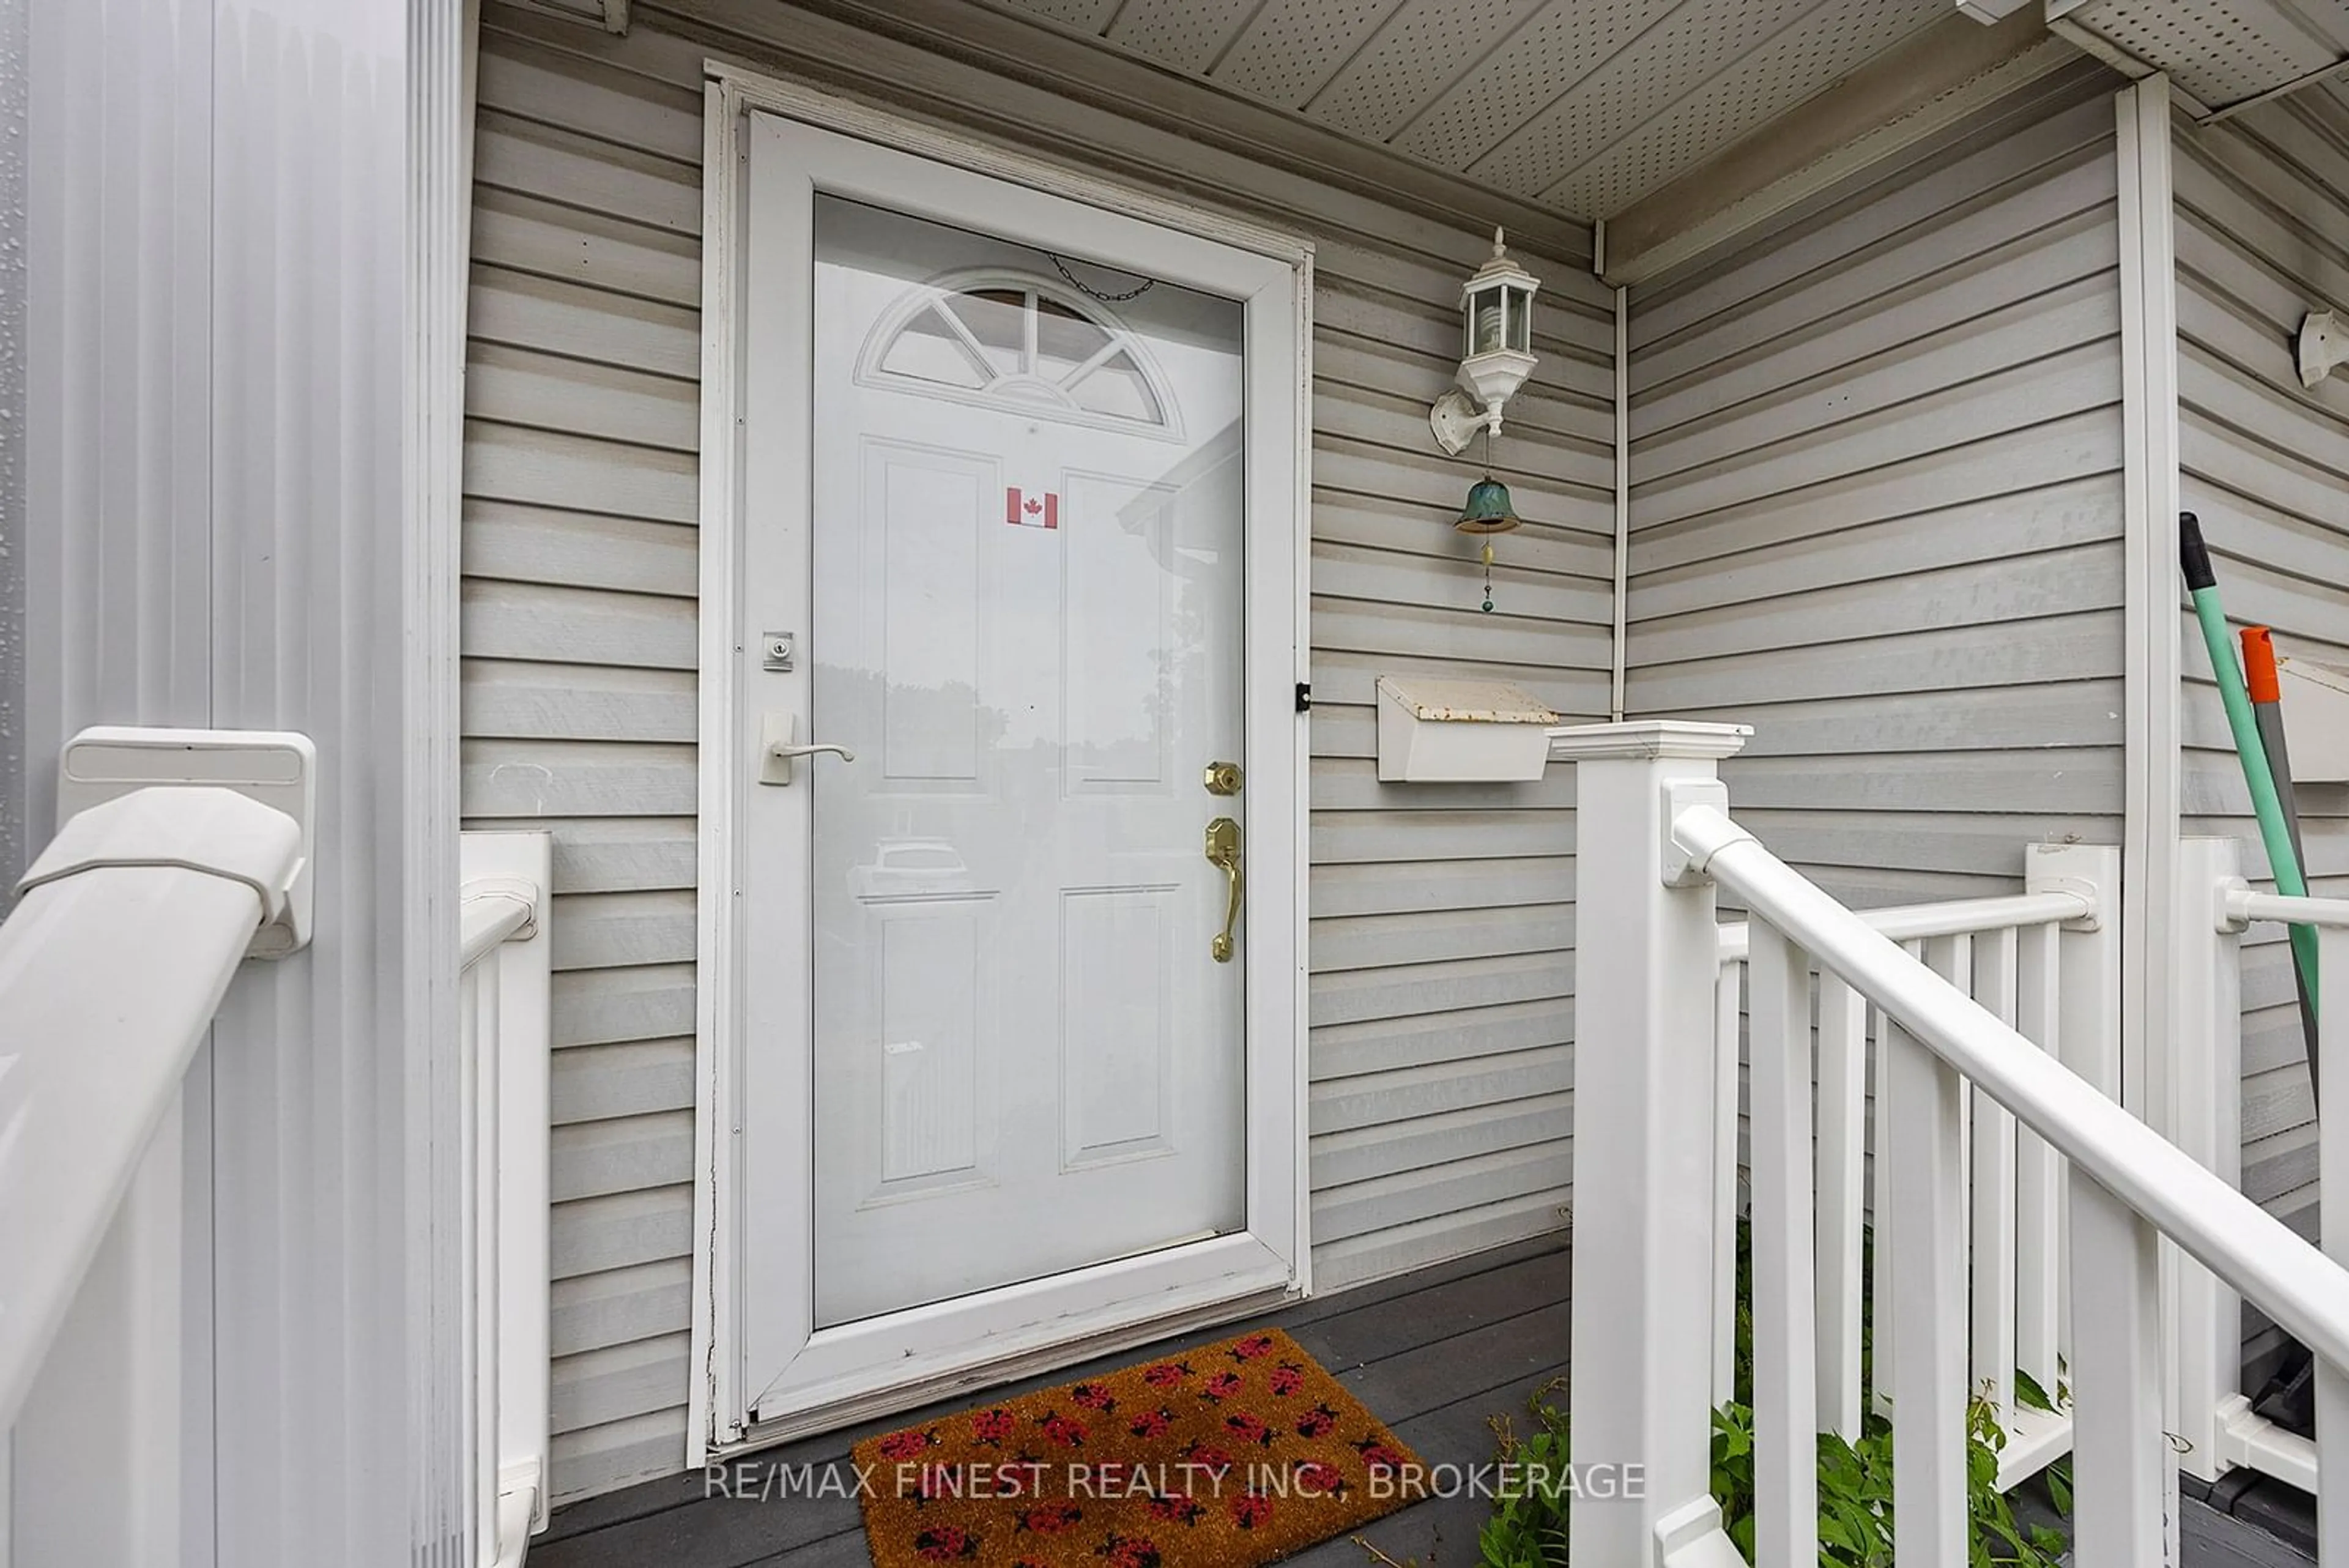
{"type": "Point", "coordinates": [1223, 855]}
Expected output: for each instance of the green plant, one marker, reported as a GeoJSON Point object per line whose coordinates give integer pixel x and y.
{"type": "Point", "coordinates": [1527, 1529]}
{"type": "Point", "coordinates": [1529, 1526]}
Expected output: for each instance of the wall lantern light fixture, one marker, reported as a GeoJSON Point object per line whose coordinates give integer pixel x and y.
{"type": "Point", "coordinates": [1497, 306]}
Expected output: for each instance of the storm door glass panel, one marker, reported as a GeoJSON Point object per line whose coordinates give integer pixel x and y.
{"type": "Point", "coordinates": [1027, 573]}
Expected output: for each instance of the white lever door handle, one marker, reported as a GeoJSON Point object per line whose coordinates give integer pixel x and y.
{"type": "Point", "coordinates": [779, 744]}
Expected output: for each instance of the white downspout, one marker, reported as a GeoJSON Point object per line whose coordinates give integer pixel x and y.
{"type": "Point", "coordinates": [1622, 487]}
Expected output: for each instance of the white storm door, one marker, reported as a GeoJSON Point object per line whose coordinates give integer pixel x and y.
{"type": "Point", "coordinates": [998, 1080]}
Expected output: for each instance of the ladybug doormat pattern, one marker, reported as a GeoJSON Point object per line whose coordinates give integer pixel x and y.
{"type": "Point", "coordinates": [1224, 1457]}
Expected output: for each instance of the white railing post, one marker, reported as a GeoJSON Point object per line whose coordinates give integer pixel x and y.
{"type": "Point", "coordinates": [2198, 1105]}
{"type": "Point", "coordinates": [1647, 955]}
{"type": "Point", "coordinates": [505, 944]}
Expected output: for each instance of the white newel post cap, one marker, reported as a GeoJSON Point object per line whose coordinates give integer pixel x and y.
{"type": "Point", "coordinates": [1648, 740]}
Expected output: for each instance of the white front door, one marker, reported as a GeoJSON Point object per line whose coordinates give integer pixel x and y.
{"type": "Point", "coordinates": [1002, 1078]}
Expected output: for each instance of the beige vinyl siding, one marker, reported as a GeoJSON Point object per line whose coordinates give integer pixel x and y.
{"type": "Point", "coordinates": [1876, 509]}
{"type": "Point", "coordinates": [2262, 235]}
{"type": "Point", "coordinates": [1442, 924]}
{"type": "Point", "coordinates": [579, 637]}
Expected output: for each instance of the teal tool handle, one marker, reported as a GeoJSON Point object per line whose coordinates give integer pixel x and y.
{"type": "Point", "coordinates": [2194, 557]}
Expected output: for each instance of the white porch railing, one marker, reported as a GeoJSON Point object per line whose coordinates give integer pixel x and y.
{"type": "Point", "coordinates": [1653, 836]}
{"type": "Point", "coordinates": [505, 1034]}
{"type": "Point", "coordinates": [2044, 962]}
{"type": "Point", "coordinates": [181, 854]}
{"type": "Point", "coordinates": [2199, 1105]}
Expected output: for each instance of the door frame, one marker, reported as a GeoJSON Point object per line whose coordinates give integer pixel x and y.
{"type": "Point", "coordinates": [1278, 487]}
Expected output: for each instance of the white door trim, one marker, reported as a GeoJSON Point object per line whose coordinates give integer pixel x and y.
{"type": "Point", "coordinates": [1277, 656]}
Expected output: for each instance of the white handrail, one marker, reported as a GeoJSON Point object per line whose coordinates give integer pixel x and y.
{"type": "Point", "coordinates": [133, 922]}
{"type": "Point", "coordinates": [1956, 918]}
{"type": "Point", "coordinates": [2235, 1238]}
{"type": "Point", "coordinates": [2241, 903]}
{"type": "Point", "coordinates": [493, 912]}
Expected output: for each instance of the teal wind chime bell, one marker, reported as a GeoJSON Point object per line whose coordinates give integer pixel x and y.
{"type": "Point", "coordinates": [1488, 511]}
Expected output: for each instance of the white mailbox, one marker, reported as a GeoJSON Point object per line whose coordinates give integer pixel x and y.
{"type": "Point", "coordinates": [2315, 719]}
{"type": "Point", "coordinates": [1435, 731]}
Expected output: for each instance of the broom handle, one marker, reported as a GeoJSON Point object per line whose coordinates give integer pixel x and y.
{"type": "Point", "coordinates": [2194, 556]}
{"type": "Point", "coordinates": [2266, 687]}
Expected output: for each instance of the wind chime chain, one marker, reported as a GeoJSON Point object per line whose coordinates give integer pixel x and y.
{"type": "Point", "coordinates": [1082, 286]}
{"type": "Point", "coordinates": [1488, 543]}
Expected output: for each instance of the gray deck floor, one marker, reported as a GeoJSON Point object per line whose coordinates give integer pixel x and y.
{"type": "Point", "coordinates": [1437, 1354]}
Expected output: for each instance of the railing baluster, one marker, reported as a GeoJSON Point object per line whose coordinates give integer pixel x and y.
{"type": "Point", "coordinates": [1785, 1423]}
{"type": "Point", "coordinates": [1953, 958]}
{"type": "Point", "coordinates": [2117, 1438]}
{"type": "Point", "coordinates": [1842, 1161]}
{"type": "Point", "coordinates": [1879, 1284]}
{"type": "Point", "coordinates": [1928, 1295]}
{"type": "Point", "coordinates": [1884, 1316]}
{"type": "Point", "coordinates": [477, 1001]}
{"type": "Point", "coordinates": [1993, 1192]}
{"type": "Point", "coordinates": [2038, 1179]}
{"type": "Point", "coordinates": [1727, 994]}
{"type": "Point", "coordinates": [2332, 1187]}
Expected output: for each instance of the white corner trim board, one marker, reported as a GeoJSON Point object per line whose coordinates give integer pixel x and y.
{"type": "Point", "coordinates": [2150, 624]}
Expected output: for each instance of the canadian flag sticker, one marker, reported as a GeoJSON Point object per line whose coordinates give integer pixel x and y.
{"type": "Point", "coordinates": [1031, 508]}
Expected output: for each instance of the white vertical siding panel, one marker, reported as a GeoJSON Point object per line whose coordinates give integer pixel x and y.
{"type": "Point", "coordinates": [1876, 509]}
{"type": "Point", "coordinates": [116, 542]}
{"type": "Point", "coordinates": [1442, 1013]}
{"type": "Point", "coordinates": [308, 581]}
{"type": "Point", "coordinates": [216, 210]}
{"type": "Point", "coordinates": [2262, 224]}
{"type": "Point", "coordinates": [15, 86]}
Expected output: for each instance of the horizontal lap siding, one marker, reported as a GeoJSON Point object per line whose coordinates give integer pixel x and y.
{"type": "Point", "coordinates": [1441, 920]}
{"type": "Point", "coordinates": [2262, 230]}
{"type": "Point", "coordinates": [580, 706]}
{"type": "Point", "coordinates": [1875, 510]}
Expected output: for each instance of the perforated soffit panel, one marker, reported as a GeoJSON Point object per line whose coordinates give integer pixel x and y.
{"type": "Point", "coordinates": [1583, 106]}
{"type": "Point", "coordinates": [2221, 53]}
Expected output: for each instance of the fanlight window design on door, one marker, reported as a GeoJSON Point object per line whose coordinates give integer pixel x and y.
{"type": "Point", "coordinates": [1010, 340]}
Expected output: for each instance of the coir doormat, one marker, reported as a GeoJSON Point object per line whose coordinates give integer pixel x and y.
{"type": "Point", "coordinates": [1224, 1457]}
